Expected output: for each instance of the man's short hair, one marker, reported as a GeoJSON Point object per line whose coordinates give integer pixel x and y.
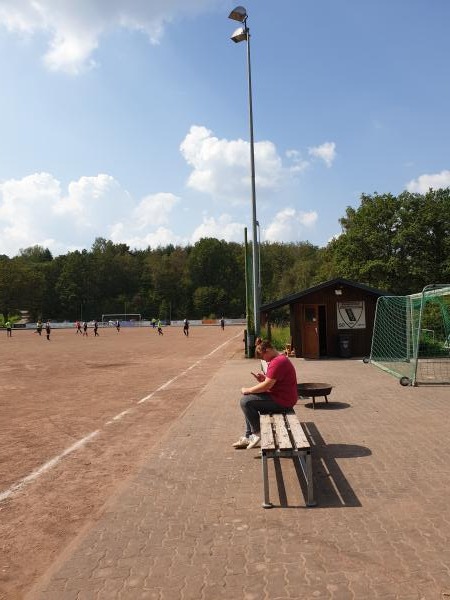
{"type": "Point", "coordinates": [262, 346]}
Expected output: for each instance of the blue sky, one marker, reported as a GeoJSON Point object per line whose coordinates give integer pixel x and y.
{"type": "Point", "coordinates": [128, 119]}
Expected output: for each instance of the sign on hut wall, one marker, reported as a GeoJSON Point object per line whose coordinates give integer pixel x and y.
{"type": "Point", "coordinates": [351, 315]}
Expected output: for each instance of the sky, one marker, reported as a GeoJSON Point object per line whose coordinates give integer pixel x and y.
{"type": "Point", "coordinates": [128, 119]}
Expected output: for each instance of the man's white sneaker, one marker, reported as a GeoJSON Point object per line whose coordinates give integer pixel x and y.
{"type": "Point", "coordinates": [253, 441]}
{"type": "Point", "coordinates": [242, 442]}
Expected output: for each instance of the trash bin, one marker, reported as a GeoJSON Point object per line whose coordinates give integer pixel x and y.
{"type": "Point", "coordinates": [345, 346]}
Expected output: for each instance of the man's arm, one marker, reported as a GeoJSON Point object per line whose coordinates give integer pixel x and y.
{"type": "Point", "coordinates": [264, 386]}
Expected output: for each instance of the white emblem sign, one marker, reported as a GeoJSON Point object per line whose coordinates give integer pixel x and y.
{"type": "Point", "coordinates": [351, 315]}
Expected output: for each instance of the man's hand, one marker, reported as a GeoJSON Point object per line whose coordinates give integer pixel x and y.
{"type": "Point", "coordinates": [262, 386]}
{"type": "Point", "coordinates": [259, 376]}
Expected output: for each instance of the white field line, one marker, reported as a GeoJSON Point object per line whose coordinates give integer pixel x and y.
{"type": "Point", "coordinates": [118, 417]}
{"type": "Point", "coordinates": [47, 466]}
{"type": "Point", "coordinates": [198, 362]}
{"type": "Point", "coordinates": [54, 461]}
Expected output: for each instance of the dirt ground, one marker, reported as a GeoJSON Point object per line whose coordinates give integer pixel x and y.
{"type": "Point", "coordinates": [54, 394]}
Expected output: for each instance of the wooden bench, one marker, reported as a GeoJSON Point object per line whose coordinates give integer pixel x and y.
{"type": "Point", "coordinates": [282, 436]}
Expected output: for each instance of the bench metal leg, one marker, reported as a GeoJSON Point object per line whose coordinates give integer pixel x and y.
{"type": "Point", "coordinates": [309, 482]}
{"type": "Point", "coordinates": [266, 503]}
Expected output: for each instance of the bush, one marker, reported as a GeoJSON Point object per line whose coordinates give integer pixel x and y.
{"type": "Point", "coordinates": [429, 348]}
{"type": "Point", "coordinates": [280, 336]}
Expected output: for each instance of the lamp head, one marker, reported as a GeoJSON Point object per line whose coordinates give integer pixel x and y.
{"type": "Point", "coordinates": [238, 14]}
{"type": "Point", "coordinates": [239, 35]}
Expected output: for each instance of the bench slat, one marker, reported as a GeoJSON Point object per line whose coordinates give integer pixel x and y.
{"type": "Point", "coordinates": [300, 439]}
{"type": "Point", "coordinates": [267, 440]}
{"type": "Point", "coordinates": [281, 432]}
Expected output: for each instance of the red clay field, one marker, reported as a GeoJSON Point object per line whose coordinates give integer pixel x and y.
{"type": "Point", "coordinates": [78, 416]}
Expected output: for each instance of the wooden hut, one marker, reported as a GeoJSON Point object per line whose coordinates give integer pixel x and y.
{"type": "Point", "coordinates": [334, 318]}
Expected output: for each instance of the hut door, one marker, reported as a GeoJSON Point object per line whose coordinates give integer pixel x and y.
{"type": "Point", "coordinates": [311, 331]}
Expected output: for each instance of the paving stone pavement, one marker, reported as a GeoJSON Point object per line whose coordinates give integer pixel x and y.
{"type": "Point", "coordinates": [190, 525]}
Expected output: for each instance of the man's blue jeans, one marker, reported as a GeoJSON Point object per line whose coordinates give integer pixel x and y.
{"type": "Point", "coordinates": [253, 405]}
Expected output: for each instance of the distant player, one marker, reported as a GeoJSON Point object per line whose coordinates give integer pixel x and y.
{"type": "Point", "coordinates": [8, 329]}
{"type": "Point", "coordinates": [222, 324]}
{"type": "Point", "coordinates": [48, 329]}
{"type": "Point", "coordinates": [39, 327]}
{"type": "Point", "coordinates": [118, 326]}
{"type": "Point", "coordinates": [186, 328]}
{"type": "Point", "coordinates": [78, 327]}
{"type": "Point", "coordinates": [85, 331]}
{"type": "Point", "coordinates": [95, 328]}
{"type": "Point", "coordinates": [153, 322]}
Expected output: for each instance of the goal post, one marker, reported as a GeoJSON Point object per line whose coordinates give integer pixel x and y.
{"type": "Point", "coordinates": [126, 319]}
{"type": "Point", "coordinates": [411, 336]}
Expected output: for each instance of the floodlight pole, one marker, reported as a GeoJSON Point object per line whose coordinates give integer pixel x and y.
{"type": "Point", "coordinates": [240, 14]}
{"type": "Point", "coordinates": [255, 252]}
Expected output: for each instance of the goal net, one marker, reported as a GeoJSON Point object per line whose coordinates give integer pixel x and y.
{"type": "Point", "coordinates": [411, 336]}
{"type": "Point", "coordinates": [125, 319]}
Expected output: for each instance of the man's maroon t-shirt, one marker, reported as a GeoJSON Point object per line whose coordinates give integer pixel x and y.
{"type": "Point", "coordinates": [284, 392]}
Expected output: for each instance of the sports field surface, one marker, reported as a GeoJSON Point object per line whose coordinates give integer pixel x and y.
{"type": "Point", "coordinates": [78, 417]}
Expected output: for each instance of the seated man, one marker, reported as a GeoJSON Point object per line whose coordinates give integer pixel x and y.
{"type": "Point", "coordinates": [275, 392]}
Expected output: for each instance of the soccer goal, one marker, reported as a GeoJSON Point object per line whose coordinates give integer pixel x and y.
{"type": "Point", "coordinates": [126, 319]}
{"type": "Point", "coordinates": [411, 336]}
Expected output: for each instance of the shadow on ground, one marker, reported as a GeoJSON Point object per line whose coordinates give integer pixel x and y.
{"type": "Point", "coordinates": [331, 487]}
{"type": "Point", "coordinates": [330, 405]}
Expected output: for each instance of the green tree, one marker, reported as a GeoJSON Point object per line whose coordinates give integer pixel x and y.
{"type": "Point", "coordinates": [209, 300]}
{"type": "Point", "coordinates": [36, 294]}
{"type": "Point", "coordinates": [36, 254]}
{"type": "Point", "coordinates": [287, 268]}
{"type": "Point", "coordinates": [21, 287]}
{"type": "Point", "coordinates": [423, 240]}
{"type": "Point", "coordinates": [50, 304]}
{"type": "Point", "coordinates": [366, 250]}
{"type": "Point", "coordinates": [218, 264]}
{"type": "Point", "coordinates": [111, 278]}
{"type": "Point", "coordinates": [398, 243]}
{"type": "Point", "coordinates": [70, 285]}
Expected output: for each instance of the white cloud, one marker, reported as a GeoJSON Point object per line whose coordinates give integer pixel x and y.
{"type": "Point", "coordinates": [24, 209]}
{"type": "Point", "coordinates": [423, 183]}
{"type": "Point", "coordinates": [334, 237]}
{"type": "Point", "coordinates": [299, 164]}
{"type": "Point", "coordinates": [154, 209]}
{"type": "Point", "coordinates": [161, 237]}
{"type": "Point", "coordinates": [326, 152]}
{"type": "Point", "coordinates": [222, 228]}
{"type": "Point", "coordinates": [76, 26]}
{"type": "Point", "coordinates": [287, 225]}
{"type": "Point", "coordinates": [35, 210]}
{"type": "Point", "coordinates": [221, 167]}
{"type": "Point", "coordinates": [91, 199]}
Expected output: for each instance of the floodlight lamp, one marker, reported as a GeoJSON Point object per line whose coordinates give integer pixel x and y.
{"type": "Point", "coordinates": [238, 14]}
{"type": "Point", "coordinates": [239, 35]}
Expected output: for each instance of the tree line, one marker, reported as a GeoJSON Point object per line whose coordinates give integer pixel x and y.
{"type": "Point", "coordinates": [394, 243]}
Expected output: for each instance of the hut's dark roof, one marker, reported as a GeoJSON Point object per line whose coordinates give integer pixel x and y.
{"type": "Point", "coordinates": [331, 283]}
